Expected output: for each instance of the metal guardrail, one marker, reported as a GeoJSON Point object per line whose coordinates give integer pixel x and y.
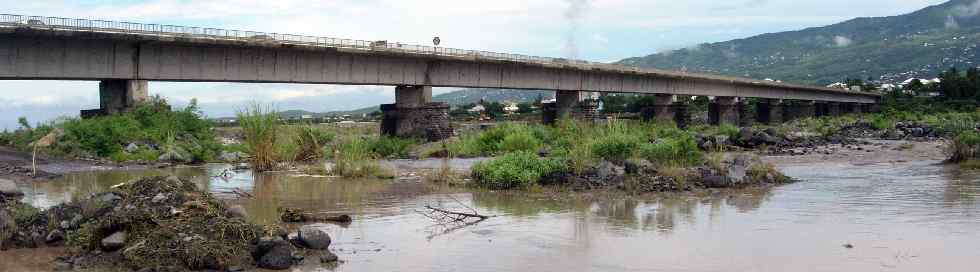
{"type": "Point", "coordinates": [100, 26]}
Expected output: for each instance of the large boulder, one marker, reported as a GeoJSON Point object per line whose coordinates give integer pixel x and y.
{"type": "Point", "coordinates": [115, 241]}
{"type": "Point", "coordinates": [8, 189]}
{"type": "Point", "coordinates": [313, 237]}
{"type": "Point", "coordinates": [273, 253]}
{"type": "Point", "coordinates": [231, 157]}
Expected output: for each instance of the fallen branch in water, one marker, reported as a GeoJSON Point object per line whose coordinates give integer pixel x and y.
{"type": "Point", "coordinates": [297, 215]}
{"type": "Point", "coordinates": [454, 216]}
{"type": "Point", "coordinates": [448, 221]}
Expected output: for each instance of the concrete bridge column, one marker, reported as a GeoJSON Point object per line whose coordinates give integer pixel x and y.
{"type": "Point", "coordinates": [769, 111]}
{"type": "Point", "coordinates": [117, 96]}
{"type": "Point", "coordinates": [851, 108]}
{"type": "Point", "coordinates": [833, 109]}
{"type": "Point", "coordinates": [801, 109]}
{"type": "Point", "coordinates": [414, 115]}
{"type": "Point", "coordinates": [744, 109]}
{"type": "Point", "coordinates": [566, 103]}
{"type": "Point", "coordinates": [663, 107]}
{"type": "Point", "coordinates": [726, 110]}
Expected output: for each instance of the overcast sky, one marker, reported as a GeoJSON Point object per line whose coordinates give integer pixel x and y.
{"type": "Point", "coordinates": [596, 30]}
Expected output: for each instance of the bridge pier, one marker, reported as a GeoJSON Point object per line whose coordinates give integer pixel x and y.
{"type": "Point", "coordinates": [744, 109]}
{"type": "Point", "coordinates": [117, 96]}
{"type": "Point", "coordinates": [725, 110]}
{"type": "Point", "coordinates": [801, 109]}
{"type": "Point", "coordinates": [769, 111]}
{"type": "Point", "coordinates": [663, 107]}
{"type": "Point", "coordinates": [833, 109]}
{"type": "Point", "coordinates": [570, 104]}
{"type": "Point", "coordinates": [414, 115]}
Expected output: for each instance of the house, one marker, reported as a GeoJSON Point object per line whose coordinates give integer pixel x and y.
{"type": "Point", "coordinates": [838, 85]}
{"type": "Point", "coordinates": [477, 108]}
{"type": "Point", "coordinates": [511, 108]}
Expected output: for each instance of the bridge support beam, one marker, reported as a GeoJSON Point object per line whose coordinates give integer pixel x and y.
{"type": "Point", "coordinates": [744, 109]}
{"type": "Point", "coordinates": [117, 96]}
{"type": "Point", "coordinates": [662, 110]}
{"type": "Point", "coordinates": [769, 111]}
{"type": "Point", "coordinates": [801, 109]}
{"type": "Point", "coordinates": [414, 115]}
{"type": "Point", "coordinates": [833, 109]}
{"type": "Point", "coordinates": [725, 112]}
{"type": "Point", "coordinates": [570, 104]}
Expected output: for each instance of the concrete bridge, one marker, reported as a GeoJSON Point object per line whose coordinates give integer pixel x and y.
{"type": "Point", "coordinates": [124, 56]}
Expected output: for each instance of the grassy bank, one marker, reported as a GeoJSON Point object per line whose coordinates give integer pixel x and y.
{"type": "Point", "coordinates": [145, 133]}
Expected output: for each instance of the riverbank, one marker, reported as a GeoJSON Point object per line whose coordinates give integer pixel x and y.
{"type": "Point", "coordinates": [387, 233]}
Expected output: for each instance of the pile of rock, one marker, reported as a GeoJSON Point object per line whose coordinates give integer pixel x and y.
{"type": "Point", "coordinates": [912, 131]}
{"type": "Point", "coordinates": [158, 223]}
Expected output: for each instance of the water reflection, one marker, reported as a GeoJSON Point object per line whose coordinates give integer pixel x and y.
{"type": "Point", "coordinates": [889, 211]}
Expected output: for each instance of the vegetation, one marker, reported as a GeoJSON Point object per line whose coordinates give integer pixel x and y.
{"type": "Point", "coordinates": [514, 170]}
{"type": "Point", "coordinates": [260, 126]}
{"type": "Point", "coordinates": [354, 158]}
{"type": "Point", "coordinates": [152, 127]}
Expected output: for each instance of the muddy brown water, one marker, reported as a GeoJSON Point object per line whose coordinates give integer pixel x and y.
{"type": "Point", "coordinates": [914, 216]}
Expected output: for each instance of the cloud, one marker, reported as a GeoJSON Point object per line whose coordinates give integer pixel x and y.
{"type": "Point", "coordinates": [967, 10]}
{"type": "Point", "coordinates": [841, 41]}
{"type": "Point", "coordinates": [951, 23]}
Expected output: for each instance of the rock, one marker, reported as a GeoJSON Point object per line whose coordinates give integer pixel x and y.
{"type": "Point", "coordinates": [132, 148]}
{"type": "Point", "coordinates": [160, 197]}
{"type": "Point", "coordinates": [9, 189]}
{"type": "Point", "coordinates": [745, 134]}
{"type": "Point", "coordinates": [231, 157]}
{"type": "Point", "coordinates": [62, 265]}
{"type": "Point", "coordinates": [745, 160]}
{"type": "Point", "coordinates": [237, 211]}
{"type": "Point", "coordinates": [273, 253]}
{"type": "Point", "coordinates": [715, 181]}
{"type": "Point", "coordinates": [174, 155]}
{"type": "Point", "coordinates": [313, 237]}
{"type": "Point", "coordinates": [609, 171]}
{"type": "Point", "coordinates": [235, 269]}
{"type": "Point", "coordinates": [279, 258]}
{"type": "Point", "coordinates": [328, 257]}
{"type": "Point", "coordinates": [54, 237]}
{"type": "Point", "coordinates": [115, 241]}
{"type": "Point", "coordinates": [736, 174]}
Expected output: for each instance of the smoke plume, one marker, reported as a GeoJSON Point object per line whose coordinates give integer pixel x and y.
{"type": "Point", "coordinates": [574, 13]}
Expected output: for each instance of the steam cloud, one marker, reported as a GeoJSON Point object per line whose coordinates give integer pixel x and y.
{"type": "Point", "coordinates": [967, 10]}
{"type": "Point", "coordinates": [841, 41]}
{"type": "Point", "coordinates": [576, 10]}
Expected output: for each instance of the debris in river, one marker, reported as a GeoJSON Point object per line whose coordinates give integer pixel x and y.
{"type": "Point", "coordinates": [298, 215]}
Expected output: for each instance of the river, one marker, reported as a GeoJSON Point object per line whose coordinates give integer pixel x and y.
{"type": "Point", "coordinates": [905, 216]}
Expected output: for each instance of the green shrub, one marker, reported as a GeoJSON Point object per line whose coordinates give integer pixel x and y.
{"type": "Point", "coordinates": [393, 147]}
{"type": "Point", "coordinates": [519, 140]}
{"type": "Point", "coordinates": [514, 170]}
{"type": "Point", "coordinates": [466, 145]}
{"type": "Point", "coordinates": [616, 147]}
{"type": "Point", "coordinates": [682, 151]}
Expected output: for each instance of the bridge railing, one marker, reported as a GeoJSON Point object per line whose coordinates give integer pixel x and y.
{"type": "Point", "coordinates": [102, 26]}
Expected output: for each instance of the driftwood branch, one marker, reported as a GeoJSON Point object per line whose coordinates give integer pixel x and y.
{"type": "Point", "coordinates": [448, 221]}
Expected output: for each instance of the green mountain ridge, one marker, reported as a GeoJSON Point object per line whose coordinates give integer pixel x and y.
{"type": "Point", "coordinates": [886, 49]}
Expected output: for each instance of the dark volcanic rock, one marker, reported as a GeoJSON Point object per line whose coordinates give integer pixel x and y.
{"type": "Point", "coordinates": [313, 237]}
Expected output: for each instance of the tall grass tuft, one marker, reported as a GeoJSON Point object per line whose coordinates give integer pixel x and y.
{"type": "Point", "coordinates": [310, 142]}
{"type": "Point", "coordinates": [260, 126]}
{"type": "Point", "coordinates": [966, 146]}
{"type": "Point", "coordinates": [354, 158]}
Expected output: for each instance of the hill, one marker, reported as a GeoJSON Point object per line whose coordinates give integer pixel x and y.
{"type": "Point", "coordinates": [888, 49]}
